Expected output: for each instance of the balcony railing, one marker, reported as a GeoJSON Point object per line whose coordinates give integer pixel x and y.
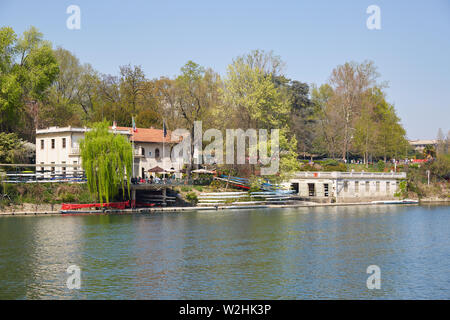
{"type": "Point", "coordinates": [75, 151]}
{"type": "Point", "coordinates": [350, 175]}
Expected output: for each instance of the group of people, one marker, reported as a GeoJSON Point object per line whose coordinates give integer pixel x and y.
{"type": "Point", "coordinates": [151, 179]}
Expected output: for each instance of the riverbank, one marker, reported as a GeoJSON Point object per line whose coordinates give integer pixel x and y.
{"type": "Point", "coordinates": [193, 208]}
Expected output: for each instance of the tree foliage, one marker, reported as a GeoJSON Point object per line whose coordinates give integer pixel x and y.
{"type": "Point", "coordinates": [12, 149]}
{"type": "Point", "coordinates": [107, 160]}
{"type": "Point", "coordinates": [27, 68]}
{"type": "Point", "coordinates": [349, 116]}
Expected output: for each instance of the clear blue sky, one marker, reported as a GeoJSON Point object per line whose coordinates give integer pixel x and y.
{"type": "Point", "coordinates": [412, 49]}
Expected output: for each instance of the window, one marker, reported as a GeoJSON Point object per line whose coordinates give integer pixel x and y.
{"type": "Point", "coordinates": [42, 144]}
{"type": "Point", "coordinates": [52, 169]}
{"type": "Point", "coordinates": [143, 151]}
{"type": "Point", "coordinates": [63, 168]}
{"type": "Point", "coordinates": [63, 142]}
{"type": "Point", "coordinates": [42, 168]}
{"type": "Point", "coordinates": [143, 173]}
{"type": "Point", "coordinates": [75, 168]}
{"type": "Point", "coordinates": [53, 143]}
{"type": "Point", "coordinates": [325, 189]}
{"type": "Point", "coordinates": [311, 189]}
{"type": "Point", "coordinates": [345, 186]}
{"type": "Point", "coordinates": [388, 186]}
{"type": "Point", "coordinates": [378, 186]}
{"type": "Point", "coordinates": [367, 186]}
{"type": "Point", "coordinates": [356, 186]}
{"type": "Point", "coordinates": [149, 153]}
{"type": "Point", "coordinates": [156, 153]}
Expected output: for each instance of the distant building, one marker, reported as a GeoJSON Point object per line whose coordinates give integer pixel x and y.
{"type": "Point", "coordinates": [419, 145]}
{"type": "Point", "coordinates": [346, 186]}
{"type": "Point", "coordinates": [61, 146]}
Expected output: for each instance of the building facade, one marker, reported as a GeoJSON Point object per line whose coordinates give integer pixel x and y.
{"type": "Point", "coordinates": [346, 186]}
{"type": "Point", "coordinates": [61, 147]}
{"type": "Point", "coordinates": [419, 145]}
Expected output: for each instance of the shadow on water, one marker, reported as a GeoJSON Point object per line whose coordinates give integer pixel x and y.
{"type": "Point", "coordinates": [301, 253]}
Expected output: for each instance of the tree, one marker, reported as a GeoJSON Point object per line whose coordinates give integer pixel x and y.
{"type": "Point", "coordinates": [28, 67]}
{"type": "Point", "coordinates": [196, 92]}
{"type": "Point", "coordinates": [132, 82]}
{"type": "Point", "coordinates": [253, 97]}
{"type": "Point", "coordinates": [107, 161]}
{"type": "Point", "coordinates": [253, 100]}
{"type": "Point", "coordinates": [441, 147]}
{"type": "Point", "coordinates": [12, 149]}
{"type": "Point", "coordinates": [350, 82]}
{"type": "Point", "coordinates": [302, 119]}
{"type": "Point", "coordinates": [429, 151]}
{"type": "Point", "coordinates": [329, 125]}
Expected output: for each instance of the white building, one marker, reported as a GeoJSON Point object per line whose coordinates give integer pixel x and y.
{"type": "Point", "coordinates": [346, 186]}
{"type": "Point", "coordinates": [419, 145]}
{"type": "Point", "coordinates": [61, 147]}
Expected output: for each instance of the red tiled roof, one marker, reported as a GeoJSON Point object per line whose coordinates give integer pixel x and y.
{"type": "Point", "coordinates": [149, 135]}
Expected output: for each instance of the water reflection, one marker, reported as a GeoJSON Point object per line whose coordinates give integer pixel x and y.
{"type": "Point", "coordinates": [301, 253]}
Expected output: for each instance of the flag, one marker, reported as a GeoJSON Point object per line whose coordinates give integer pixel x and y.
{"type": "Point", "coordinates": [164, 128]}
{"type": "Point", "coordinates": [133, 124]}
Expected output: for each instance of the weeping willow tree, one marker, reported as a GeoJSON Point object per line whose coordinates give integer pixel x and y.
{"type": "Point", "coordinates": [106, 160]}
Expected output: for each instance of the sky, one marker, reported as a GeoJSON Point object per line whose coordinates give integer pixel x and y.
{"type": "Point", "coordinates": [411, 50]}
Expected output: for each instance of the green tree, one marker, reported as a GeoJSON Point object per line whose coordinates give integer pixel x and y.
{"type": "Point", "coordinates": [252, 99]}
{"type": "Point", "coordinates": [28, 67]}
{"type": "Point", "coordinates": [329, 126]}
{"type": "Point", "coordinates": [106, 160]}
{"type": "Point", "coordinates": [71, 98]}
{"type": "Point", "coordinates": [12, 149]}
{"type": "Point", "coordinates": [196, 96]}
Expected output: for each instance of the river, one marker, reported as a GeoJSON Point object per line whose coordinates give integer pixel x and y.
{"type": "Point", "coordinates": [301, 253]}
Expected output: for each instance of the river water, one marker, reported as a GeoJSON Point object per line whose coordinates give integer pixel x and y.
{"type": "Point", "coordinates": [301, 253]}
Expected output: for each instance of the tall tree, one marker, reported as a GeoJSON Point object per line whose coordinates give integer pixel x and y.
{"type": "Point", "coordinates": [329, 125]}
{"type": "Point", "coordinates": [28, 67]}
{"type": "Point", "coordinates": [350, 82]}
{"type": "Point", "coordinates": [106, 160]}
{"type": "Point", "coordinates": [197, 95]}
{"type": "Point", "coordinates": [441, 147]}
{"type": "Point", "coordinates": [69, 101]}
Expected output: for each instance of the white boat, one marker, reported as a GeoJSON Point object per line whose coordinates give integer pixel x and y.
{"type": "Point", "coordinates": [404, 201]}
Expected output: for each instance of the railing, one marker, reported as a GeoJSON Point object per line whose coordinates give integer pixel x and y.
{"type": "Point", "coordinates": [75, 151]}
{"type": "Point", "coordinates": [172, 182]}
{"type": "Point", "coordinates": [43, 177]}
{"type": "Point", "coordinates": [337, 175]}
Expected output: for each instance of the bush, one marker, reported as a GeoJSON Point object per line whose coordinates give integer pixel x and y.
{"type": "Point", "coordinates": [198, 188]}
{"type": "Point", "coordinates": [441, 167]}
{"type": "Point", "coordinates": [192, 198]}
{"type": "Point", "coordinates": [381, 165]}
{"type": "Point", "coordinates": [68, 197]}
{"type": "Point", "coordinates": [339, 166]}
{"type": "Point", "coordinates": [402, 191]}
{"type": "Point", "coordinates": [186, 189]}
{"type": "Point", "coordinates": [330, 162]}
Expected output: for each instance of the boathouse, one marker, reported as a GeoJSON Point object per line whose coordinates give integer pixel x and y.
{"type": "Point", "coordinates": [346, 186]}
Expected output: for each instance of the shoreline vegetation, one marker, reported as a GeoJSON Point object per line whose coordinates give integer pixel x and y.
{"type": "Point", "coordinates": [46, 198]}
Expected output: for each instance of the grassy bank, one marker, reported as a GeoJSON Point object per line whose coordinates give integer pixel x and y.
{"type": "Point", "coordinates": [43, 193]}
